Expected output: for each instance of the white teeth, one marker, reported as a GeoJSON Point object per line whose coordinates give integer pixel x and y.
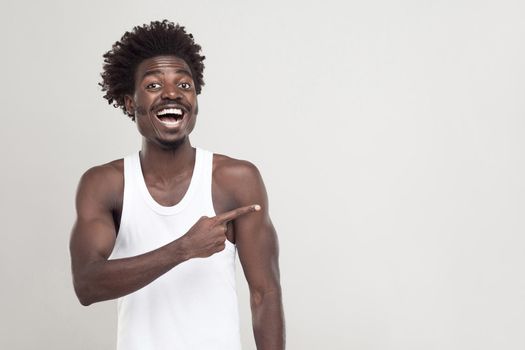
{"type": "Point", "coordinates": [170, 123]}
{"type": "Point", "coordinates": [170, 111]}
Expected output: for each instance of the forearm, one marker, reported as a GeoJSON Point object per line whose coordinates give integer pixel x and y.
{"type": "Point", "coordinates": [109, 279]}
{"type": "Point", "coordinates": [268, 321]}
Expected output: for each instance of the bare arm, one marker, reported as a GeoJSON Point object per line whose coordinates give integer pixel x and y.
{"type": "Point", "coordinates": [258, 250]}
{"type": "Point", "coordinates": [96, 278]}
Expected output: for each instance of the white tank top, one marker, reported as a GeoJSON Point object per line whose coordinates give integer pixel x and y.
{"type": "Point", "coordinates": [194, 305]}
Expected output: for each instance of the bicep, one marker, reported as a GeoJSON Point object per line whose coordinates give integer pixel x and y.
{"type": "Point", "coordinates": [93, 234]}
{"type": "Point", "coordinates": [256, 237]}
{"type": "Point", "coordinates": [258, 249]}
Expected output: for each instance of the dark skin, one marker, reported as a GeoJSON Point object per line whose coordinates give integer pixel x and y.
{"type": "Point", "coordinates": [167, 159]}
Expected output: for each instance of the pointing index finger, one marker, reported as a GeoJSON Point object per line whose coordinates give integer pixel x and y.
{"type": "Point", "coordinates": [235, 213]}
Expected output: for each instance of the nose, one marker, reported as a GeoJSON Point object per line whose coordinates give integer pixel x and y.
{"type": "Point", "coordinates": [171, 91]}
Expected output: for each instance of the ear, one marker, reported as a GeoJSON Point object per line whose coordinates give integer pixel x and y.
{"type": "Point", "coordinates": [130, 105]}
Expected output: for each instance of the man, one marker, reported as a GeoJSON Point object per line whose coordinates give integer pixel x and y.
{"type": "Point", "coordinates": [159, 229]}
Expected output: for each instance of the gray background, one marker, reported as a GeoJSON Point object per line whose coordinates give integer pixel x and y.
{"type": "Point", "coordinates": [389, 135]}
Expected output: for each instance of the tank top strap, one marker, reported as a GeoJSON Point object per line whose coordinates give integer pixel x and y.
{"type": "Point", "coordinates": [206, 180]}
{"type": "Point", "coordinates": [128, 168]}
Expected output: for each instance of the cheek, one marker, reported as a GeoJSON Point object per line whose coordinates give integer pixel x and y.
{"type": "Point", "coordinates": [141, 110]}
{"type": "Point", "coordinates": [192, 122]}
{"type": "Point", "coordinates": [143, 101]}
{"type": "Point", "coordinates": [192, 99]}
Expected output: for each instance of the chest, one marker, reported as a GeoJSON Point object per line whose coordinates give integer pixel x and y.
{"type": "Point", "coordinates": [171, 194]}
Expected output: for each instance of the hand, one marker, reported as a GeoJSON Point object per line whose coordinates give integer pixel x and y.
{"type": "Point", "coordinates": [208, 235]}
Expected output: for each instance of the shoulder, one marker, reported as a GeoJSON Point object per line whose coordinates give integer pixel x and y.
{"type": "Point", "coordinates": [229, 169]}
{"type": "Point", "coordinates": [104, 174]}
{"type": "Point", "coordinates": [103, 183]}
{"type": "Point", "coordinates": [240, 178]}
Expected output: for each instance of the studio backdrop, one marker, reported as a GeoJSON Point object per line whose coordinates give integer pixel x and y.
{"type": "Point", "coordinates": [389, 134]}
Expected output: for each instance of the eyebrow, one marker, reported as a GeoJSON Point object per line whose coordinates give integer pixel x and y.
{"type": "Point", "coordinates": [159, 72]}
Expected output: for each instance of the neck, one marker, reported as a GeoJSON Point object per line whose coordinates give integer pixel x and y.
{"type": "Point", "coordinates": [166, 163]}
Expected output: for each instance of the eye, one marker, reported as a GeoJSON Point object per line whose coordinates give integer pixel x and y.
{"type": "Point", "coordinates": [185, 86]}
{"type": "Point", "coordinates": [153, 86]}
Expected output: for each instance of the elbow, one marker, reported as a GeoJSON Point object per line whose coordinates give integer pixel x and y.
{"type": "Point", "coordinates": [83, 297]}
{"type": "Point", "coordinates": [84, 301]}
{"type": "Point", "coordinates": [87, 285]}
{"type": "Point", "coordinates": [82, 292]}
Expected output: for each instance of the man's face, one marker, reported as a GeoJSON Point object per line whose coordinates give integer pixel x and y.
{"type": "Point", "coordinates": [164, 102]}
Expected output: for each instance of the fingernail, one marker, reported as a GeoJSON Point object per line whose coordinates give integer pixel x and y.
{"type": "Point", "coordinates": [257, 207]}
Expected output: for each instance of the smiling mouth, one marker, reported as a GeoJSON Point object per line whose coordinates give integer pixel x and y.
{"type": "Point", "coordinates": [170, 116]}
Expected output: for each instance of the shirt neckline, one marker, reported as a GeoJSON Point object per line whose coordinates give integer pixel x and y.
{"type": "Point", "coordinates": [178, 207]}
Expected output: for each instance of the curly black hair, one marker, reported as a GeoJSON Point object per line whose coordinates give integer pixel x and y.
{"type": "Point", "coordinates": [146, 41]}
